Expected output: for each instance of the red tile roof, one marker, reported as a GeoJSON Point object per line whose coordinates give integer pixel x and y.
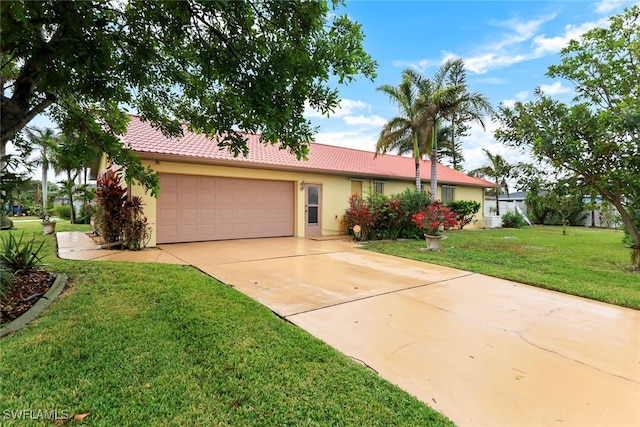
{"type": "Point", "coordinates": [144, 139]}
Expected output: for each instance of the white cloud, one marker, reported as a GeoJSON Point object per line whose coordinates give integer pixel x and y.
{"type": "Point", "coordinates": [357, 140]}
{"type": "Point", "coordinates": [554, 88]}
{"type": "Point", "coordinates": [369, 121]}
{"type": "Point", "coordinates": [543, 45]}
{"type": "Point", "coordinates": [607, 6]}
{"type": "Point", "coordinates": [345, 108]}
{"type": "Point", "coordinates": [511, 49]}
{"type": "Point", "coordinates": [511, 102]}
{"type": "Point", "coordinates": [420, 66]}
{"type": "Point", "coordinates": [523, 30]}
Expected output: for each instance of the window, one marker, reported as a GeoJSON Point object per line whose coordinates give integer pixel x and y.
{"type": "Point", "coordinates": [378, 187]}
{"type": "Point", "coordinates": [448, 193]}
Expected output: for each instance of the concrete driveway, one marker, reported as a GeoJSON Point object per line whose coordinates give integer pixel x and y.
{"type": "Point", "coordinates": [483, 351]}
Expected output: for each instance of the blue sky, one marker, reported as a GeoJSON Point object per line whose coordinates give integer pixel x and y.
{"type": "Point", "coordinates": [506, 46]}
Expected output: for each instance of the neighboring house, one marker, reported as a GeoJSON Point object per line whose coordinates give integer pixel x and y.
{"type": "Point", "coordinates": [207, 194]}
{"type": "Point", "coordinates": [603, 215]}
{"type": "Point", "coordinates": [512, 202]}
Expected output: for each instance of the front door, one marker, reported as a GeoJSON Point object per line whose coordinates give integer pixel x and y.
{"type": "Point", "coordinates": [313, 210]}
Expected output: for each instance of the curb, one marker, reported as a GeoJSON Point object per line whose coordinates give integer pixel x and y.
{"type": "Point", "coordinates": [38, 307]}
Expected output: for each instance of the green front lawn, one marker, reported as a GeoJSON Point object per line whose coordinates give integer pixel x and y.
{"type": "Point", "coordinates": [587, 262]}
{"type": "Point", "coordinates": [153, 344]}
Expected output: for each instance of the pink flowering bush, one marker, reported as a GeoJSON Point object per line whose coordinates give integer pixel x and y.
{"type": "Point", "coordinates": [435, 219]}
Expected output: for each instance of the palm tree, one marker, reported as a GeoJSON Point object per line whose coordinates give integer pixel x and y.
{"type": "Point", "coordinates": [424, 103]}
{"type": "Point", "coordinates": [69, 161]}
{"type": "Point", "coordinates": [47, 141]}
{"type": "Point", "coordinates": [448, 97]}
{"type": "Point", "coordinates": [497, 169]}
{"type": "Point", "coordinates": [405, 133]}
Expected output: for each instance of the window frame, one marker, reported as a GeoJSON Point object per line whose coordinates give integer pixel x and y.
{"type": "Point", "coordinates": [450, 191]}
{"type": "Point", "coordinates": [382, 185]}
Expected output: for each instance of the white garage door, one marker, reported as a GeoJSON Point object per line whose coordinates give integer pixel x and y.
{"type": "Point", "coordinates": [199, 208]}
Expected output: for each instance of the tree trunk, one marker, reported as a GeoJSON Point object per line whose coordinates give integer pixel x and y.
{"type": "Point", "coordinates": [3, 152]}
{"type": "Point", "coordinates": [71, 185]}
{"type": "Point", "coordinates": [434, 174]}
{"type": "Point", "coordinates": [418, 178]}
{"type": "Point", "coordinates": [593, 210]}
{"type": "Point", "coordinates": [628, 223]}
{"type": "Point", "coordinates": [497, 198]}
{"type": "Point", "coordinates": [434, 161]}
{"type": "Point", "coordinates": [45, 167]}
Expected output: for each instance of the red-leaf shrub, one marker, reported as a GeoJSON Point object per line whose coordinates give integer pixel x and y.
{"type": "Point", "coordinates": [118, 218]}
{"type": "Point", "coordinates": [359, 213]}
{"type": "Point", "coordinates": [435, 219]}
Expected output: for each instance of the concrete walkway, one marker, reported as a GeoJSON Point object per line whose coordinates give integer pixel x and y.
{"type": "Point", "coordinates": [484, 351]}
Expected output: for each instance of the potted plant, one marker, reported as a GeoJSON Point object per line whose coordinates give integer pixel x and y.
{"type": "Point", "coordinates": [48, 225]}
{"type": "Point", "coordinates": [434, 220]}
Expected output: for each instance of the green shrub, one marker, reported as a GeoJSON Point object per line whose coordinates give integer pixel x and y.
{"type": "Point", "coordinates": [411, 203]}
{"type": "Point", "coordinates": [464, 210]}
{"type": "Point", "coordinates": [85, 214]}
{"type": "Point", "coordinates": [63, 211]}
{"type": "Point", "coordinates": [5, 222]}
{"type": "Point", "coordinates": [21, 257]}
{"type": "Point", "coordinates": [512, 220]}
{"type": "Point", "coordinates": [6, 279]}
{"type": "Point", "coordinates": [386, 217]}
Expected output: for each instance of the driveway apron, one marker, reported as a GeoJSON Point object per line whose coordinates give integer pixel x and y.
{"type": "Point", "coordinates": [483, 351]}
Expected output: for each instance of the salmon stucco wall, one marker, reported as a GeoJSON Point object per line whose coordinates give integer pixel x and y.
{"type": "Point", "coordinates": [336, 191]}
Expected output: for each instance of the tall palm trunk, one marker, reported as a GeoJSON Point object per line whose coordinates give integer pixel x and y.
{"type": "Point", "coordinates": [434, 161]}
{"type": "Point", "coordinates": [45, 188]}
{"type": "Point", "coordinates": [417, 157]}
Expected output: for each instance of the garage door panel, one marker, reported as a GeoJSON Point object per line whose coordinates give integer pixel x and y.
{"type": "Point", "coordinates": [206, 215]}
{"type": "Point", "coordinates": [188, 197]}
{"type": "Point", "coordinates": [188, 215]}
{"type": "Point", "coordinates": [170, 231]}
{"type": "Point", "coordinates": [170, 181]}
{"type": "Point", "coordinates": [242, 184]}
{"type": "Point", "coordinates": [224, 183]}
{"type": "Point", "coordinates": [224, 215]}
{"type": "Point", "coordinates": [167, 215]}
{"type": "Point", "coordinates": [187, 181]}
{"type": "Point", "coordinates": [206, 230]}
{"type": "Point", "coordinates": [199, 208]}
{"type": "Point", "coordinates": [188, 230]}
{"type": "Point", "coordinates": [206, 198]}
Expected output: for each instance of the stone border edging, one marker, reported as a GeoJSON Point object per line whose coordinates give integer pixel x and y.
{"type": "Point", "coordinates": [44, 302]}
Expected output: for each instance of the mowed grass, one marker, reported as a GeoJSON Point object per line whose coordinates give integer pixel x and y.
{"type": "Point", "coordinates": [587, 262]}
{"type": "Point", "coordinates": [164, 345]}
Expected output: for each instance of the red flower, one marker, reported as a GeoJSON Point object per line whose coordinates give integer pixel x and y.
{"type": "Point", "coordinates": [435, 218]}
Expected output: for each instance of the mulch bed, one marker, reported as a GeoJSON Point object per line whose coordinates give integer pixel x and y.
{"type": "Point", "coordinates": [27, 290]}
